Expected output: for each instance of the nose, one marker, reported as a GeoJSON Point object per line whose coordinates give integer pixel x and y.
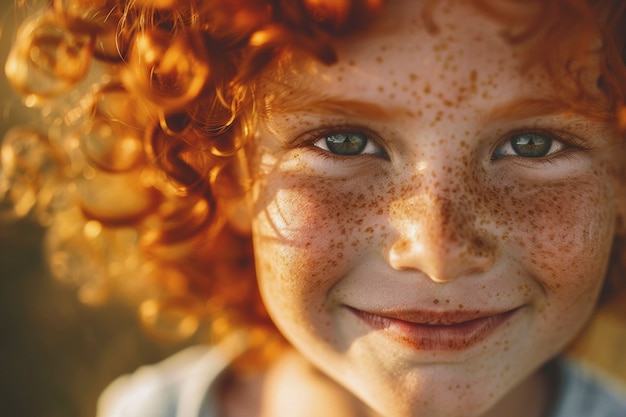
{"type": "Point", "coordinates": [440, 237]}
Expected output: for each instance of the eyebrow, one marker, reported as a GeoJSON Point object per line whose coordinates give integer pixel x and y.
{"type": "Point", "coordinates": [331, 106]}
{"type": "Point", "coordinates": [526, 108]}
{"type": "Point", "coordinates": [293, 99]}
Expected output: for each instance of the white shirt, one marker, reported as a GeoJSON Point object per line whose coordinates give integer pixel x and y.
{"type": "Point", "coordinates": [184, 386]}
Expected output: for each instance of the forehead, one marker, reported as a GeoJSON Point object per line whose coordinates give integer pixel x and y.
{"type": "Point", "coordinates": [402, 63]}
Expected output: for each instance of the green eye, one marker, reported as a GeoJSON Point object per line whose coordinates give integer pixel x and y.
{"type": "Point", "coordinates": [528, 145]}
{"type": "Point", "coordinates": [348, 144]}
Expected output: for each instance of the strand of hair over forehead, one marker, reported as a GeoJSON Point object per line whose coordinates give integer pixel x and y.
{"type": "Point", "coordinates": [135, 163]}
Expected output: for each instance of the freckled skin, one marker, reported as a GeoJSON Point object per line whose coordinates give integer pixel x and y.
{"type": "Point", "coordinates": [438, 225]}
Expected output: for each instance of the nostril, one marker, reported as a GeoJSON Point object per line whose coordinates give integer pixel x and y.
{"type": "Point", "coordinates": [481, 247]}
{"type": "Point", "coordinates": [479, 243]}
{"type": "Point", "coordinates": [443, 258]}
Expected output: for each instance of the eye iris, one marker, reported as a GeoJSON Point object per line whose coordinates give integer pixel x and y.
{"type": "Point", "coordinates": [346, 143]}
{"type": "Point", "coordinates": [531, 145]}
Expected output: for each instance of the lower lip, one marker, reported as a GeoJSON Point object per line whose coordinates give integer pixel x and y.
{"type": "Point", "coordinates": [429, 337]}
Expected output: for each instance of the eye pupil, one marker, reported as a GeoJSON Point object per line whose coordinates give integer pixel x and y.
{"type": "Point", "coordinates": [346, 143]}
{"type": "Point", "coordinates": [531, 145]}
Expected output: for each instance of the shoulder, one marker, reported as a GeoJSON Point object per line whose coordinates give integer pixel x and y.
{"type": "Point", "coordinates": [587, 393]}
{"type": "Point", "coordinates": [177, 386]}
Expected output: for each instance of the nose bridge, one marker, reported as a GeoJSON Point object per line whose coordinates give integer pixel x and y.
{"type": "Point", "coordinates": [455, 222]}
{"type": "Point", "coordinates": [438, 230]}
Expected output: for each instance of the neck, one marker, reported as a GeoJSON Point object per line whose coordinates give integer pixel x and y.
{"type": "Point", "coordinates": [289, 387]}
{"type": "Point", "coordinates": [271, 393]}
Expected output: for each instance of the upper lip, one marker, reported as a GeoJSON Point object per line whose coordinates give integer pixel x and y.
{"type": "Point", "coordinates": [435, 318]}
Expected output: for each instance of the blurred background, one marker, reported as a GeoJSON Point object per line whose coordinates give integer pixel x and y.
{"type": "Point", "coordinates": [56, 355]}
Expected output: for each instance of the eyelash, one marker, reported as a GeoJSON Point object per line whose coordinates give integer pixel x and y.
{"type": "Point", "coordinates": [311, 139]}
{"type": "Point", "coordinates": [565, 141]}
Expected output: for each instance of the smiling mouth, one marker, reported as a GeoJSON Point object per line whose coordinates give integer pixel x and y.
{"type": "Point", "coordinates": [428, 331]}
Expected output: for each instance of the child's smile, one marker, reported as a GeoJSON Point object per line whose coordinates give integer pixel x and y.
{"type": "Point", "coordinates": [419, 238]}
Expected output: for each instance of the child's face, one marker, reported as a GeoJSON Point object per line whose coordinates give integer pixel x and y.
{"type": "Point", "coordinates": [439, 214]}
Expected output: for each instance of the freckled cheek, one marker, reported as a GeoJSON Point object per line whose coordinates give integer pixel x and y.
{"type": "Point", "coordinates": [564, 234]}
{"type": "Point", "coordinates": [308, 234]}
